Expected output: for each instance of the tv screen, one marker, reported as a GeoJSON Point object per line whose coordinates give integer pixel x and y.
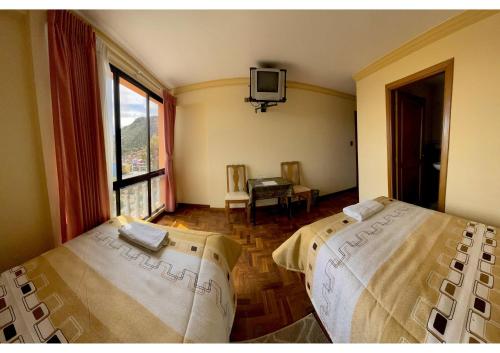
{"type": "Point", "coordinates": [267, 81]}
{"type": "Point", "coordinates": [267, 85]}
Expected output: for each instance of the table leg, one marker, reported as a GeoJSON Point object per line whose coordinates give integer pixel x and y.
{"type": "Point", "coordinates": [289, 207]}
{"type": "Point", "coordinates": [253, 211]}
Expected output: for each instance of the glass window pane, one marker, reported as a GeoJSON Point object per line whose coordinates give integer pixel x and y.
{"type": "Point", "coordinates": [134, 200]}
{"type": "Point", "coordinates": [134, 130]}
{"type": "Point", "coordinates": [157, 192]}
{"type": "Point", "coordinates": [157, 141]}
{"type": "Point", "coordinates": [110, 107]}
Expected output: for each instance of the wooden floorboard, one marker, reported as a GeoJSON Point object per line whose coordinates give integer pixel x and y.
{"type": "Point", "coordinates": [269, 297]}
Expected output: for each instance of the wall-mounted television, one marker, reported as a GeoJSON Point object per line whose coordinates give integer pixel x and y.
{"type": "Point", "coordinates": [267, 85]}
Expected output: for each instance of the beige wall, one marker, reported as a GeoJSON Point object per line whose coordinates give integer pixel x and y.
{"type": "Point", "coordinates": [25, 227]}
{"type": "Point", "coordinates": [40, 51]}
{"type": "Point", "coordinates": [214, 127]}
{"type": "Point", "coordinates": [473, 187]}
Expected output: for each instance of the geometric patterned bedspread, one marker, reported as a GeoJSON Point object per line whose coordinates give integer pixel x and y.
{"type": "Point", "coordinates": [406, 274]}
{"type": "Point", "coordinates": [100, 288]}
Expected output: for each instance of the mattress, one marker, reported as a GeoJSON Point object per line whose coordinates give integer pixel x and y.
{"type": "Point", "coordinates": [407, 274]}
{"type": "Point", "coordinates": [100, 288]}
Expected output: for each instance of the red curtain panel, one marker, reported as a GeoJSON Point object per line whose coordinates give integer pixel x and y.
{"type": "Point", "coordinates": [169, 103]}
{"type": "Point", "coordinates": [78, 129]}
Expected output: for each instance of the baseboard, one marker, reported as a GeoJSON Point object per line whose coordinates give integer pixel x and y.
{"type": "Point", "coordinates": [336, 193]}
{"type": "Point", "coordinates": [320, 198]}
{"type": "Point", "coordinates": [181, 205]}
{"type": "Point", "coordinates": [192, 205]}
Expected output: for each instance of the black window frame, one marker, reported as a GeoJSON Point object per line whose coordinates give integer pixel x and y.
{"type": "Point", "coordinates": [121, 183]}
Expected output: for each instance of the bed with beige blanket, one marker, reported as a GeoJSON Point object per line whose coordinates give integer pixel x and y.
{"type": "Point", "coordinates": [100, 288]}
{"type": "Point", "coordinates": [406, 274]}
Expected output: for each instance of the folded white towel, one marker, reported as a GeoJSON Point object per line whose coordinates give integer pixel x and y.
{"type": "Point", "coordinates": [144, 235]}
{"type": "Point", "coordinates": [363, 210]}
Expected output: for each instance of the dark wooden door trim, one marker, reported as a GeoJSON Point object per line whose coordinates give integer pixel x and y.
{"type": "Point", "coordinates": [356, 145]}
{"type": "Point", "coordinates": [445, 67]}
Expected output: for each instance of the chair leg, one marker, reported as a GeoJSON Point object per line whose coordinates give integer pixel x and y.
{"type": "Point", "coordinates": [247, 207]}
{"type": "Point", "coordinates": [309, 200]}
{"type": "Point", "coordinates": [227, 211]}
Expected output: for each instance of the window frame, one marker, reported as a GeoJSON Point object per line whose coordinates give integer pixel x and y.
{"type": "Point", "coordinates": [121, 183]}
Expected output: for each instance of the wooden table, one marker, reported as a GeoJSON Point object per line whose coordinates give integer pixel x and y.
{"type": "Point", "coordinates": [269, 188]}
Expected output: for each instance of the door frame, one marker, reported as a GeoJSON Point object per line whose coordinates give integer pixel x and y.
{"type": "Point", "coordinates": [356, 145]}
{"type": "Point", "coordinates": [445, 67]}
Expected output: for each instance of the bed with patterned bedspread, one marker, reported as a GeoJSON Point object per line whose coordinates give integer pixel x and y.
{"type": "Point", "coordinates": [407, 274]}
{"type": "Point", "coordinates": [100, 288]}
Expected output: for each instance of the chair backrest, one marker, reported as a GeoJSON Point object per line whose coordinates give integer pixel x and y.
{"type": "Point", "coordinates": [291, 171]}
{"type": "Point", "coordinates": [236, 178]}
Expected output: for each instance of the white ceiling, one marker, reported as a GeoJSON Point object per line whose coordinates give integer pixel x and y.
{"type": "Point", "coordinates": [324, 48]}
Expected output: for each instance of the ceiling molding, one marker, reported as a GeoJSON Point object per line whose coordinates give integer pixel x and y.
{"type": "Point", "coordinates": [319, 89]}
{"type": "Point", "coordinates": [241, 81]}
{"type": "Point", "coordinates": [446, 28]}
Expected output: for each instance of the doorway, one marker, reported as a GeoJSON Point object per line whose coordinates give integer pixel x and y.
{"type": "Point", "coordinates": [418, 120]}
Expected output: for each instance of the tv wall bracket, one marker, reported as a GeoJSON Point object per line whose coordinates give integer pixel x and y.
{"type": "Point", "coordinates": [261, 105]}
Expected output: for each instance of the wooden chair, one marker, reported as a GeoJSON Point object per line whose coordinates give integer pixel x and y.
{"type": "Point", "coordinates": [237, 195]}
{"type": "Point", "coordinates": [291, 172]}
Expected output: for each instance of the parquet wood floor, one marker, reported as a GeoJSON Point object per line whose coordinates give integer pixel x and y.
{"type": "Point", "coordinates": [269, 297]}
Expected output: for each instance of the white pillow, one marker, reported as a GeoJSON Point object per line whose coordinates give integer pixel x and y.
{"type": "Point", "coordinates": [363, 210]}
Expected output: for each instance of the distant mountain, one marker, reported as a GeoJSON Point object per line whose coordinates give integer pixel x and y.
{"type": "Point", "coordinates": [135, 135]}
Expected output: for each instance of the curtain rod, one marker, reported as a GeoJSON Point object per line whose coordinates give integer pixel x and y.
{"type": "Point", "coordinates": [121, 55]}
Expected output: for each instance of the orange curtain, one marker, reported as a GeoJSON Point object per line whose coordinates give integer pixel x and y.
{"type": "Point", "coordinates": [78, 129]}
{"type": "Point", "coordinates": [169, 103]}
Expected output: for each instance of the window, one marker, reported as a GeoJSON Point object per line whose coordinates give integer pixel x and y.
{"type": "Point", "coordinates": [139, 148]}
